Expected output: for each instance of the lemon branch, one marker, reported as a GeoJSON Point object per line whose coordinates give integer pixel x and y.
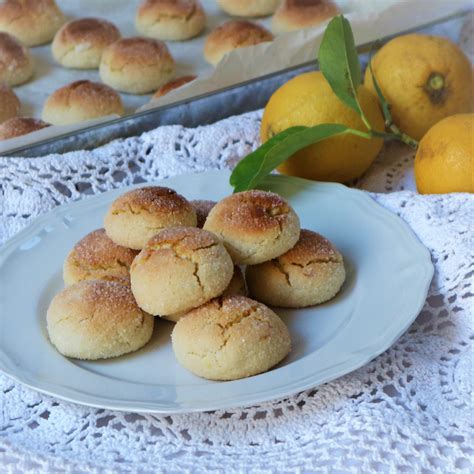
{"type": "Point", "coordinates": [339, 64]}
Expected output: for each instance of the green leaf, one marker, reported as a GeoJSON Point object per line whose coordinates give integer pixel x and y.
{"type": "Point", "coordinates": [255, 166]}
{"type": "Point", "coordinates": [339, 62]}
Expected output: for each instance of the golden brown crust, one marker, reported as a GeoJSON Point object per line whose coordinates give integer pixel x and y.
{"type": "Point", "coordinates": [202, 208]}
{"type": "Point", "coordinates": [138, 215]}
{"type": "Point", "coordinates": [135, 52]}
{"type": "Point", "coordinates": [310, 273]}
{"type": "Point", "coordinates": [11, 51]}
{"type": "Point", "coordinates": [295, 14]}
{"type": "Point", "coordinates": [230, 338]}
{"type": "Point", "coordinates": [33, 22]}
{"type": "Point", "coordinates": [18, 126]}
{"type": "Point", "coordinates": [81, 100]}
{"type": "Point", "coordinates": [96, 256]}
{"type": "Point", "coordinates": [253, 211]}
{"type": "Point", "coordinates": [16, 64]}
{"type": "Point", "coordinates": [311, 247]}
{"type": "Point", "coordinates": [163, 9]}
{"type": "Point", "coordinates": [96, 30]}
{"type": "Point", "coordinates": [248, 8]}
{"type": "Point", "coordinates": [255, 226]}
{"type": "Point", "coordinates": [184, 241]}
{"type": "Point", "coordinates": [136, 65]}
{"type": "Point", "coordinates": [81, 43]}
{"type": "Point", "coordinates": [97, 319]}
{"type": "Point", "coordinates": [9, 103]}
{"type": "Point", "coordinates": [171, 85]}
{"type": "Point", "coordinates": [180, 268]}
{"type": "Point", "coordinates": [231, 35]}
{"type": "Point", "coordinates": [156, 199]}
{"type": "Point", "coordinates": [170, 20]}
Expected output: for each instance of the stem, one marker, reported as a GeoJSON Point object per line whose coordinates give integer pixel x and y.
{"type": "Point", "coordinates": [359, 133]}
{"type": "Point", "coordinates": [364, 119]}
{"type": "Point", "coordinates": [395, 135]}
{"type": "Point", "coordinates": [403, 137]}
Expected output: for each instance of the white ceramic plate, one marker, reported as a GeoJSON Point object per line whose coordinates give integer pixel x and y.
{"type": "Point", "coordinates": [388, 275]}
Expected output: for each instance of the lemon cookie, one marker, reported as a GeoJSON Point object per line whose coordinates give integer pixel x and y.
{"type": "Point", "coordinates": [255, 226]}
{"type": "Point", "coordinates": [232, 35]}
{"type": "Point", "coordinates": [95, 256]}
{"type": "Point", "coordinates": [310, 273]}
{"type": "Point", "coordinates": [237, 287]}
{"type": "Point", "coordinates": [138, 215]}
{"type": "Point", "coordinates": [170, 20]}
{"type": "Point", "coordinates": [97, 319]}
{"type": "Point", "coordinates": [136, 65]}
{"type": "Point", "coordinates": [230, 338]}
{"type": "Point", "coordinates": [80, 43]}
{"type": "Point", "coordinates": [179, 269]}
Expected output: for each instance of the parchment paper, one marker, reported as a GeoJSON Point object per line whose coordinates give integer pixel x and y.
{"type": "Point", "coordinates": [370, 19]}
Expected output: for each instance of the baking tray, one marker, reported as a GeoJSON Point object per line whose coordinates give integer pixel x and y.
{"type": "Point", "coordinates": [198, 110]}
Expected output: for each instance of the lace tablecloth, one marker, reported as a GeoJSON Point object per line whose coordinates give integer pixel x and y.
{"type": "Point", "coordinates": [409, 410]}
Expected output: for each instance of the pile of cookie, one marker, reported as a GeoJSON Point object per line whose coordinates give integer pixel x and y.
{"type": "Point", "coordinates": [140, 64]}
{"type": "Point", "coordinates": [163, 256]}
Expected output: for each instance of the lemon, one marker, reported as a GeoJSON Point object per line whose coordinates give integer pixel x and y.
{"type": "Point", "coordinates": [444, 162]}
{"type": "Point", "coordinates": [424, 79]}
{"type": "Point", "coordinates": [309, 100]}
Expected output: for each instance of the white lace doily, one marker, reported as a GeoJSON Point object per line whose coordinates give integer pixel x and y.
{"type": "Point", "coordinates": [410, 410]}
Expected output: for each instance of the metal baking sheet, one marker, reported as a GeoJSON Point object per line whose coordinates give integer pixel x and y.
{"type": "Point", "coordinates": [199, 110]}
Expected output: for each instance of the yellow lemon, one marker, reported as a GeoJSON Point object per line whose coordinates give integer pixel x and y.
{"type": "Point", "coordinates": [424, 79]}
{"type": "Point", "coordinates": [309, 100]}
{"type": "Point", "coordinates": [444, 162]}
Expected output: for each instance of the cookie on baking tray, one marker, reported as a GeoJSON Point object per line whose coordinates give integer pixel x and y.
{"type": "Point", "coordinates": [16, 64]}
{"type": "Point", "coordinates": [79, 101]}
{"type": "Point", "coordinates": [136, 65]}
{"type": "Point", "coordinates": [293, 15]}
{"type": "Point", "coordinates": [80, 43]}
{"type": "Point", "coordinates": [18, 126]}
{"type": "Point", "coordinates": [33, 22]}
{"type": "Point", "coordinates": [170, 20]}
{"type": "Point", "coordinates": [231, 35]}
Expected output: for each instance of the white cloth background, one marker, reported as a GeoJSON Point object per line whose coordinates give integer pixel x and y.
{"type": "Point", "coordinates": [410, 410]}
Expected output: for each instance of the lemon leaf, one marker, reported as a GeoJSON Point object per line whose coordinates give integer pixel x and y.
{"type": "Point", "coordinates": [258, 164]}
{"type": "Point", "coordinates": [339, 62]}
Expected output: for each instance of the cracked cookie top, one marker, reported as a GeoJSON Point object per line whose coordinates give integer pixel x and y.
{"type": "Point", "coordinates": [231, 35]}
{"type": "Point", "coordinates": [255, 226]}
{"type": "Point", "coordinates": [96, 256]}
{"type": "Point", "coordinates": [81, 100]}
{"type": "Point", "coordinates": [230, 338]}
{"type": "Point", "coordinates": [311, 248]}
{"type": "Point", "coordinates": [129, 53]}
{"type": "Point", "coordinates": [179, 269]}
{"type": "Point", "coordinates": [159, 10]}
{"type": "Point", "coordinates": [81, 42]}
{"type": "Point", "coordinates": [310, 273]}
{"type": "Point", "coordinates": [138, 215]}
{"type": "Point", "coordinates": [152, 199]}
{"type": "Point", "coordinates": [97, 319]}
